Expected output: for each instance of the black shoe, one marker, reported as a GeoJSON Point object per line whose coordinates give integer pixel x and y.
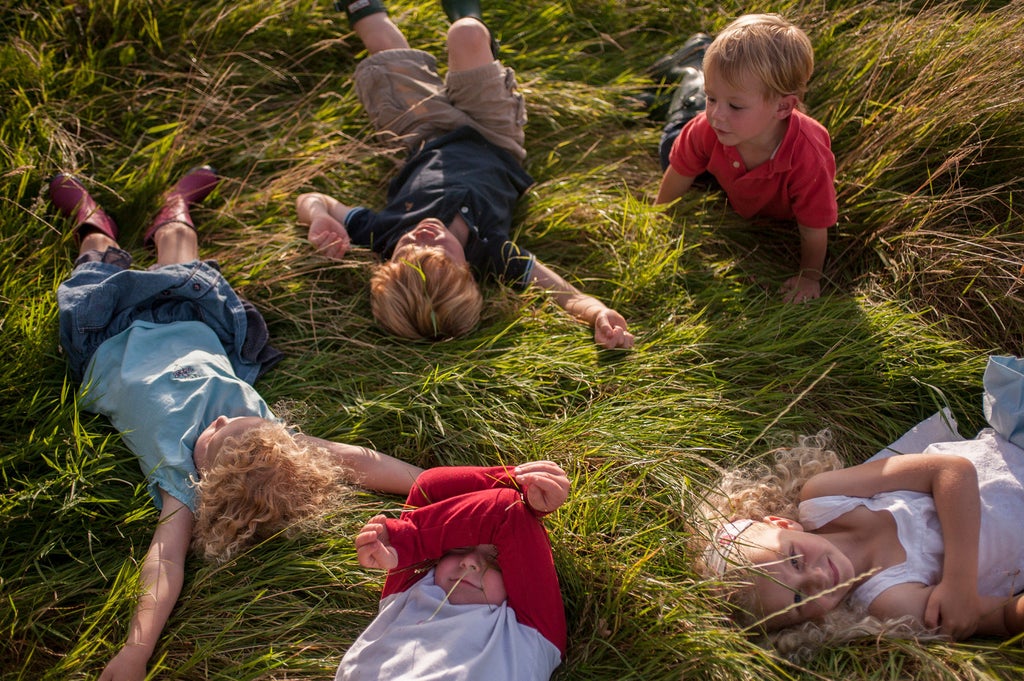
{"type": "Point", "coordinates": [458, 9]}
{"type": "Point", "coordinates": [689, 99]}
{"type": "Point", "coordinates": [359, 9]}
{"type": "Point", "coordinates": [669, 69]}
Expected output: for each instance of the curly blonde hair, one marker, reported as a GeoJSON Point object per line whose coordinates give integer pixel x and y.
{"type": "Point", "coordinates": [425, 296]}
{"type": "Point", "coordinates": [766, 46]}
{"type": "Point", "coordinates": [263, 481]}
{"type": "Point", "coordinates": [773, 488]}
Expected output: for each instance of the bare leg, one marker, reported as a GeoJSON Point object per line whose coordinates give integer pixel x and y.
{"type": "Point", "coordinates": [96, 241]}
{"type": "Point", "coordinates": [379, 33]}
{"type": "Point", "coordinates": [469, 45]}
{"type": "Point", "coordinates": [173, 232]}
{"type": "Point", "coordinates": [176, 242]}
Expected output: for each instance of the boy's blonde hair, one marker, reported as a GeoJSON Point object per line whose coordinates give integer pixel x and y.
{"type": "Point", "coordinates": [773, 488]}
{"type": "Point", "coordinates": [425, 296]}
{"type": "Point", "coordinates": [765, 46]}
{"type": "Point", "coordinates": [263, 481]}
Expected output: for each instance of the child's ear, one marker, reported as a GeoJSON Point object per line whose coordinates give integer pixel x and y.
{"type": "Point", "coordinates": [786, 105]}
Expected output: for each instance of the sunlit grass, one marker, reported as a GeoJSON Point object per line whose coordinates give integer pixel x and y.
{"type": "Point", "coordinates": [924, 101]}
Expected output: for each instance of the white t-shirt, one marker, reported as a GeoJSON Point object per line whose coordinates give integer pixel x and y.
{"type": "Point", "coordinates": [418, 634]}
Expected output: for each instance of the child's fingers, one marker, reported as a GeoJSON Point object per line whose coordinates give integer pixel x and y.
{"type": "Point", "coordinates": [537, 467]}
{"type": "Point", "coordinates": [366, 540]}
{"type": "Point", "coordinates": [329, 236]}
{"type": "Point", "coordinates": [616, 337]}
{"type": "Point", "coordinates": [545, 483]}
{"type": "Point", "coordinates": [372, 530]}
{"type": "Point", "coordinates": [610, 332]}
{"type": "Point", "coordinates": [544, 479]}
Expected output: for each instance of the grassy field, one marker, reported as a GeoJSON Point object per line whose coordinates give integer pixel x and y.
{"type": "Point", "coordinates": [925, 102]}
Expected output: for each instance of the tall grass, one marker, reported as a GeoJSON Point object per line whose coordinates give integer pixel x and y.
{"type": "Point", "coordinates": [924, 103]}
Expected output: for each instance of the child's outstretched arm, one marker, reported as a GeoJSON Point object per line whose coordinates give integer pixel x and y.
{"type": "Point", "coordinates": [326, 219]}
{"type": "Point", "coordinates": [371, 469]}
{"type": "Point", "coordinates": [806, 284]}
{"type": "Point", "coordinates": [953, 604]}
{"type": "Point", "coordinates": [163, 572]}
{"type": "Point", "coordinates": [608, 325]}
{"type": "Point", "coordinates": [673, 185]}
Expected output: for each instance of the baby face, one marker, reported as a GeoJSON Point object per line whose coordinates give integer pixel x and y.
{"type": "Point", "coordinates": [798, 575]}
{"type": "Point", "coordinates": [740, 114]}
{"type": "Point", "coordinates": [470, 575]}
{"type": "Point", "coordinates": [431, 233]}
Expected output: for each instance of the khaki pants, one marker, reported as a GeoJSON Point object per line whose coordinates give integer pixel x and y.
{"type": "Point", "coordinates": [407, 101]}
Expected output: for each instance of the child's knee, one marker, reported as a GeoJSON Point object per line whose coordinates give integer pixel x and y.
{"type": "Point", "coordinates": [174, 231]}
{"type": "Point", "coordinates": [468, 34]}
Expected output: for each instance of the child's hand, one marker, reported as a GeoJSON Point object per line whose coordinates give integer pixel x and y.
{"type": "Point", "coordinates": [610, 330]}
{"type": "Point", "coordinates": [800, 289]}
{"type": "Point", "coordinates": [544, 483]}
{"type": "Point", "coordinates": [954, 610]}
{"type": "Point", "coordinates": [373, 546]}
{"type": "Point", "coordinates": [329, 236]}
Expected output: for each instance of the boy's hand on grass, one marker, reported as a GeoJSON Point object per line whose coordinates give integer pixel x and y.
{"type": "Point", "coordinates": [373, 546]}
{"type": "Point", "coordinates": [800, 289]}
{"type": "Point", "coordinates": [610, 330]}
{"type": "Point", "coordinates": [128, 665]}
{"type": "Point", "coordinates": [329, 236]}
{"type": "Point", "coordinates": [545, 485]}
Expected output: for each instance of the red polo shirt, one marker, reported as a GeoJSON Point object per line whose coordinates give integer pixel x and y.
{"type": "Point", "coordinates": [798, 182]}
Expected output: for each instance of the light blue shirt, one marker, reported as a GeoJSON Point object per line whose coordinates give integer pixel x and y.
{"type": "Point", "coordinates": [161, 385]}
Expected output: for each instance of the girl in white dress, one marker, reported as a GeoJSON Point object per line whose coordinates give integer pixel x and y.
{"type": "Point", "coordinates": [906, 545]}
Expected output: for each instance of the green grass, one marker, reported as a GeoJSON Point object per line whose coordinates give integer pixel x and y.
{"type": "Point", "coordinates": [925, 107]}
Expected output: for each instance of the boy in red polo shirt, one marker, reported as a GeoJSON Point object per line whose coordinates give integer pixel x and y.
{"type": "Point", "coordinates": [737, 115]}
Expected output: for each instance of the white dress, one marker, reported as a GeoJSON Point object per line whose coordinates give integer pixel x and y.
{"type": "Point", "coordinates": [1000, 466]}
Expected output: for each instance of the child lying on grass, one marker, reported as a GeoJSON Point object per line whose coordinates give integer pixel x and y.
{"type": "Point", "coordinates": [449, 212]}
{"type": "Point", "coordinates": [471, 591]}
{"type": "Point", "coordinates": [902, 545]}
{"type": "Point", "coordinates": [169, 355]}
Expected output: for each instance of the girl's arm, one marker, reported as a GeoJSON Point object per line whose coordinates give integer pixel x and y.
{"type": "Point", "coordinates": [163, 572]}
{"type": "Point", "coordinates": [609, 326]}
{"type": "Point", "coordinates": [372, 469]}
{"type": "Point", "coordinates": [997, 616]}
{"type": "Point", "coordinates": [1003, 617]}
{"type": "Point", "coordinates": [953, 483]}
